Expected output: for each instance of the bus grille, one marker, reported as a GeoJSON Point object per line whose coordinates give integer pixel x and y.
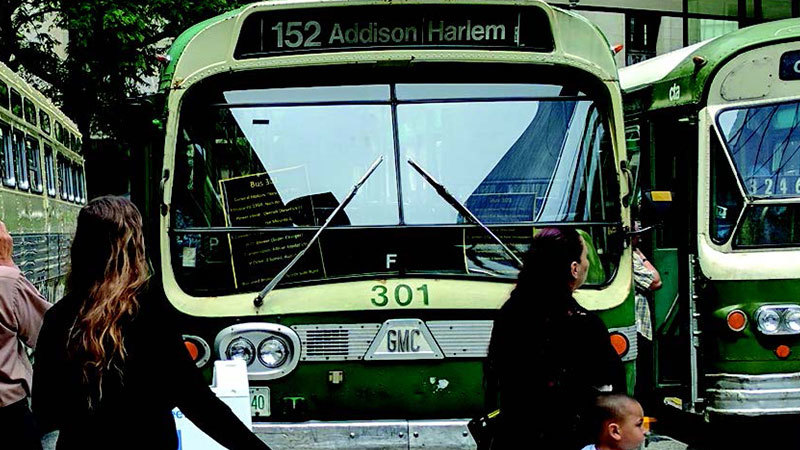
{"type": "Point", "coordinates": [335, 342]}
{"type": "Point", "coordinates": [347, 342]}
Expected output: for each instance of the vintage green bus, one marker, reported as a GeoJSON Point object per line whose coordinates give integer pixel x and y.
{"type": "Point", "coordinates": [43, 184]}
{"type": "Point", "coordinates": [377, 338]}
{"type": "Point", "coordinates": [719, 165]}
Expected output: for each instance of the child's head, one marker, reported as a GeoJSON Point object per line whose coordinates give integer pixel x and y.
{"type": "Point", "coordinates": [618, 422]}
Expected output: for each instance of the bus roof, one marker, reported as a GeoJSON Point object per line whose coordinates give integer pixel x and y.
{"type": "Point", "coordinates": [577, 41]}
{"type": "Point", "coordinates": [34, 95]}
{"type": "Point", "coordinates": [677, 78]}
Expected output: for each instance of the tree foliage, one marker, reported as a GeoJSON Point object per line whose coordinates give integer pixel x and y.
{"type": "Point", "coordinates": [110, 52]}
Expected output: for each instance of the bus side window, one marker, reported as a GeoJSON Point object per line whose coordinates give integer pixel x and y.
{"type": "Point", "coordinates": [69, 178]}
{"type": "Point", "coordinates": [16, 103]}
{"type": "Point", "coordinates": [7, 149]}
{"type": "Point", "coordinates": [30, 111]}
{"type": "Point", "coordinates": [81, 183]}
{"type": "Point", "coordinates": [62, 178]}
{"type": "Point", "coordinates": [49, 170]}
{"type": "Point", "coordinates": [726, 199]}
{"type": "Point", "coordinates": [34, 163]}
{"type": "Point", "coordinates": [44, 122]}
{"type": "Point", "coordinates": [3, 95]}
{"type": "Point", "coordinates": [59, 132]}
{"type": "Point", "coordinates": [76, 185]}
{"type": "Point", "coordinates": [21, 160]}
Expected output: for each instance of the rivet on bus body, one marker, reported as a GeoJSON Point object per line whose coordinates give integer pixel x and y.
{"type": "Point", "coordinates": [416, 434]}
{"type": "Point", "coordinates": [352, 435]}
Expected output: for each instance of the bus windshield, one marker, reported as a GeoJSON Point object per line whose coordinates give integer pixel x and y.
{"type": "Point", "coordinates": [764, 144]}
{"type": "Point", "coordinates": [275, 162]}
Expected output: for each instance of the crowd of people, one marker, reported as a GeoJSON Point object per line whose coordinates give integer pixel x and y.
{"type": "Point", "coordinates": [93, 378]}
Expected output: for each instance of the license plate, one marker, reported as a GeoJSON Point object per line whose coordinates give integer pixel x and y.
{"type": "Point", "coordinates": [404, 339]}
{"type": "Point", "coordinates": [259, 402]}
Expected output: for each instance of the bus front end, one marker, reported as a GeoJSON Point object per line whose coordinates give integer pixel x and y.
{"type": "Point", "coordinates": [377, 337]}
{"type": "Point", "coordinates": [749, 255]}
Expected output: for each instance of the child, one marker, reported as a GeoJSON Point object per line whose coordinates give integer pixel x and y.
{"type": "Point", "coordinates": [617, 423]}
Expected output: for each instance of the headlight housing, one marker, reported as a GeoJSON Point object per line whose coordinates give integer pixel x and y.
{"type": "Point", "coordinates": [778, 319]}
{"type": "Point", "coordinates": [241, 348]}
{"type": "Point", "coordinates": [273, 352]}
{"type": "Point", "coordinates": [270, 350]}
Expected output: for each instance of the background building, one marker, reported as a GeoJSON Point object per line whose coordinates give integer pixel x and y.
{"type": "Point", "coordinates": [648, 28]}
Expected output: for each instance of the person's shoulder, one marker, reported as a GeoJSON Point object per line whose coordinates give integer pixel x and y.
{"type": "Point", "coordinates": [10, 273]}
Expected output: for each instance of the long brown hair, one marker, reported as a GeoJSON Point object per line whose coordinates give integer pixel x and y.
{"type": "Point", "coordinates": [108, 271]}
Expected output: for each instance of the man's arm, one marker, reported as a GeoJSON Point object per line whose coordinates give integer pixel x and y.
{"type": "Point", "coordinates": [29, 308]}
{"type": "Point", "coordinates": [653, 276]}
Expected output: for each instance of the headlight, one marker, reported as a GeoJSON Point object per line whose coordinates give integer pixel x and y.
{"type": "Point", "coordinates": [273, 352]}
{"type": "Point", "coordinates": [241, 348]}
{"type": "Point", "coordinates": [769, 321]}
{"type": "Point", "coordinates": [792, 320]}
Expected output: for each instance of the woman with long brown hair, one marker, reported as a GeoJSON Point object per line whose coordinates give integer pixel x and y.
{"type": "Point", "coordinates": [549, 356]}
{"type": "Point", "coordinates": [109, 368]}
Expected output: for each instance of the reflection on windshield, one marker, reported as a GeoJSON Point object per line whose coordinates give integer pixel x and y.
{"type": "Point", "coordinates": [764, 142]}
{"type": "Point", "coordinates": [282, 159]}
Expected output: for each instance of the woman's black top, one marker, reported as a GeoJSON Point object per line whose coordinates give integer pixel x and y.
{"type": "Point", "coordinates": [135, 410]}
{"type": "Point", "coordinates": [547, 372]}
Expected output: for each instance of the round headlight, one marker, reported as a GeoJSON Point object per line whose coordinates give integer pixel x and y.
{"type": "Point", "coordinates": [792, 320]}
{"type": "Point", "coordinates": [241, 348]}
{"type": "Point", "coordinates": [769, 321]}
{"type": "Point", "coordinates": [273, 352]}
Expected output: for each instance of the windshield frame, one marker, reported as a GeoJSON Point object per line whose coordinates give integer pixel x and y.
{"type": "Point", "coordinates": [598, 92]}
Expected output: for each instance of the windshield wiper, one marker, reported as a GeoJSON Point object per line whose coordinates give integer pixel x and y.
{"type": "Point", "coordinates": [259, 300]}
{"type": "Point", "coordinates": [458, 206]}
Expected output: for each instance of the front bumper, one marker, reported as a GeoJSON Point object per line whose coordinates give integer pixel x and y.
{"type": "Point", "coordinates": [754, 395]}
{"type": "Point", "coordinates": [379, 434]}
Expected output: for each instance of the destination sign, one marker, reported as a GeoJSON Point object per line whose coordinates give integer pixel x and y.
{"type": "Point", "coordinates": [790, 66]}
{"type": "Point", "coordinates": [500, 27]}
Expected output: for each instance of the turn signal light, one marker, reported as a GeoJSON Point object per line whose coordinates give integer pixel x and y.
{"type": "Point", "coordinates": [783, 351]}
{"type": "Point", "coordinates": [620, 343]}
{"type": "Point", "coordinates": [191, 347]}
{"type": "Point", "coordinates": [737, 320]}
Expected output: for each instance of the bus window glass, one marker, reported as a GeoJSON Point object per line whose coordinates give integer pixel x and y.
{"type": "Point", "coordinates": [769, 226]}
{"type": "Point", "coordinates": [279, 159]}
{"type": "Point", "coordinates": [3, 94]}
{"type": "Point", "coordinates": [62, 178]}
{"type": "Point", "coordinates": [7, 149]}
{"type": "Point", "coordinates": [21, 160]}
{"type": "Point", "coordinates": [73, 142]}
{"type": "Point", "coordinates": [34, 163]}
{"type": "Point", "coordinates": [30, 111]}
{"type": "Point", "coordinates": [49, 170]}
{"type": "Point", "coordinates": [726, 199]}
{"type": "Point", "coordinates": [764, 143]}
{"type": "Point", "coordinates": [16, 103]}
{"type": "Point", "coordinates": [476, 149]}
{"type": "Point", "coordinates": [70, 180]}
{"type": "Point", "coordinates": [76, 184]}
{"type": "Point", "coordinates": [59, 132]}
{"type": "Point", "coordinates": [44, 122]}
{"type": "Point", "coordinates": [81, 183]}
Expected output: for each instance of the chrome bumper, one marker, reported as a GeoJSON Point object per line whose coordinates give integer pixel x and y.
{"type": "Point", "coordinates": [754, 395]}
{"type": "Point", "coordinates": [379, 434]}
